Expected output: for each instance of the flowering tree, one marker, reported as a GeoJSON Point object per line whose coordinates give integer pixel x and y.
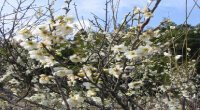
{"type": "Point", "coordinates": [128, 68]}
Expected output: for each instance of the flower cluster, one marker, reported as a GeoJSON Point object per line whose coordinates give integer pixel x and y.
{"type": "Point", "coordinates": [126, 67]}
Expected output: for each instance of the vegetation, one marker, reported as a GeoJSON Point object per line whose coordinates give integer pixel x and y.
{"type": "Point", "coordinates": [102, 67]}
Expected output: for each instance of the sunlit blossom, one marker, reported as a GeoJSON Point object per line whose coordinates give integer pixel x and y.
{"type": "Point", "coordinates": [36, 54]}
{"type": "Point", "coordinates": [44, 79]}
{"type": "Point", "coordinates": [23, 34]}
{"type": "Point", "coordinates": [75, 100]}
{"type": "Point", "coordinates": [131, 54]}
{"type": "Point", "coordinates": [143, 50]}
{"type": "Point", "coordinates": [61, 72]}
{"type": "Point", "coordinates": [74, 58]}
{"type": "Point", "coordinates": [148, 15]}
{"type": "Point", "coordinates": [167, 54]}
{"type": "Point", "coordinates": [119, 48]}
{"type": "Point", "coordinates": [136, 84]}
{"type": "Point", "coordinates": [116, 71]}
{"type": "Point", "coordinates": [177, 57]}
{"type": "Point", "coordinates": [29, 45]}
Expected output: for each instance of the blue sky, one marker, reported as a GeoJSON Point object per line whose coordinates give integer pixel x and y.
{"type": "Point", "coordinates": [175, 9]}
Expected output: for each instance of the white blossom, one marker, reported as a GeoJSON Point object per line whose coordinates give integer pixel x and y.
{"type": "Point", "coordinates": [36, 54]}
{"type": "Point", "coordinates": [14, 81]}
{"type": "Point", "coordinates": [119, 48]}
{"type": "Point", "coordinates": [29, 45]}
{"type": "Point", "coordinates": [116, 71]}
{"type": "Point", "coordinates": [136, 84]}
{"type": "Point", "coordinates": [143, 50]}
{"type": "Point", "coordinates": [61, 72]}
{"type": "Point", "coordinates": [91, 93]}
{"type": "Point", "coordinates": [131, 54]}
{"type": "Point", "coordinates": [177, 57]}
{"type": "Point", "coordinates": [148, 15]}
{"type": "Point", "coordinates": [75, 100]}
{"type": "Point", "coordinates": [74, 58]}
{"type": "Point", "coordinates": [172, 27]}
{"type": "Point", "coordinates": [23, 34]}
{"type": "Point", "coordinates": [44, 79]}
{"type": "Point", "coordinates": [96, 99]}
{"type": "Point", "coordinates": [167, 54]}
